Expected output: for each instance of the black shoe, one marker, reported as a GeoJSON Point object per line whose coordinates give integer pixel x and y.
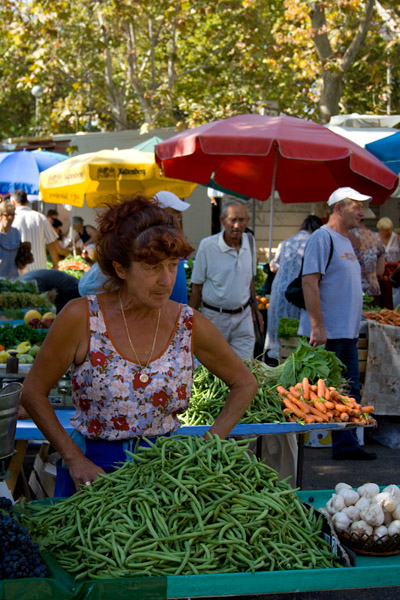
{"type": "Point", "coordinates": [359, 454]}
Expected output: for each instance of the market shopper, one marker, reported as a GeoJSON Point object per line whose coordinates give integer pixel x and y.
{"type": "Point", "coordinates": [130, 349]}
{"type": "Point", "coordinates": [389, 238]}
{"type": "Point", "coordinates": [85, 233]}
{"type": "Point", "coordinates": [10, 239]}
{"type": "Point", "coordinates": [333, 299]}
{"type": "Point", "coordinates": [222, 280]}
{"type": "Point", "coordinates": [286, 264]}
{"type": "Point", "coordinates": [370, 254]}
{"type": "Point", "coordinates": [36, 229]}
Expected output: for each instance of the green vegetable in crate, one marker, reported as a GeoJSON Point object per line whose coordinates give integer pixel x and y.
{"type": "Point", "coordinates": [209, 393]}
{"type": "Point", "coordinates": [287, 328]}
{"type": "Point", "coordinates": [183, 506]}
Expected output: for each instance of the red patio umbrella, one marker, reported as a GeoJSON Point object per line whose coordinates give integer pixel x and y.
{"type": "Point", "coordinates": [255, 155]}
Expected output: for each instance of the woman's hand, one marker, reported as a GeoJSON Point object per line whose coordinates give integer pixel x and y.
{"type": "Point", "coordinates": [83, 471]}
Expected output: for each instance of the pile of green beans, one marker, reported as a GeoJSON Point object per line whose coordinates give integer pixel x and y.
{"type": "Point", "coordinates": [183, 506]}
{"type": "Point", "coordinates": [209, 393]}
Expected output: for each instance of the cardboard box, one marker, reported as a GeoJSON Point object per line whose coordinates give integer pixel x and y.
{"type": "Point", "coordinates": [43, 476]}
{"type": "Point", "coordinates": [323, 439]}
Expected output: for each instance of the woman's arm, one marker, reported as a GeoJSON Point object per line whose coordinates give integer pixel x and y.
{"type": "Point", "coordinates": [66, 342]}
{"type": "Point", "coordinates": [211, 349]}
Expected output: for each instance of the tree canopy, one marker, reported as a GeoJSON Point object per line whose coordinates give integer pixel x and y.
{"type": "Point", "coordinates": [120, 64]}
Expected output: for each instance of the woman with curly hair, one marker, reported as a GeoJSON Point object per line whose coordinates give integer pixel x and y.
{"type": "Point", "coordinates": [131, 350]}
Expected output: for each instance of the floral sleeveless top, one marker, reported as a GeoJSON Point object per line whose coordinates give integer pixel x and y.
{"type": "Point", "coordinates": [110, 400]}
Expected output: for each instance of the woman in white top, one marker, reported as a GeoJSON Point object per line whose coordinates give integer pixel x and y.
{"type": "Point", "coordinates": [389, 238]}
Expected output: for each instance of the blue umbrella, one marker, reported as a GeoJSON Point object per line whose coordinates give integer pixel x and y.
{"type": "Point", "coordinates": [21, 170]}
{"type": "Point", "coordinates": [387, 149]}
{"type": "Point", "coordinates": [148, 145]}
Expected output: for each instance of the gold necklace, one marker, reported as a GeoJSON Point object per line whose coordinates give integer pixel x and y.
{"type": "Point", "coordinates": [144, 378]}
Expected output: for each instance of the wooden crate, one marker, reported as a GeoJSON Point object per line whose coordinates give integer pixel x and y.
{"type": "Point", "coordinates": [286, 347]}
{"type": "Point", "coordinates": [362, 347]}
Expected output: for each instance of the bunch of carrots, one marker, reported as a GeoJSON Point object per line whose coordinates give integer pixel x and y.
{"type": "Point", "coordinates": [74, 264]}
{"type": "Point", "coordinates": [317, 403]}
{"type": "Point", "coordinates": [385, 316]}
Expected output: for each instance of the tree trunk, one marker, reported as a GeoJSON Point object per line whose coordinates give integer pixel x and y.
{"type": "Point", "coordinates": [330, 95]}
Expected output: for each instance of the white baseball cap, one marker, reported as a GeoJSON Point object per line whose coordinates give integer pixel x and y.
{"type": "Point", "coordinates": [346, 192]}
{"type": "Point", "coordinates": [170, 200]}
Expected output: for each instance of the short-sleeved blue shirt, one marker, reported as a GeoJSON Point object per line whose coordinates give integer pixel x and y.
{"type": "Point", "coordinates": [340, 286]}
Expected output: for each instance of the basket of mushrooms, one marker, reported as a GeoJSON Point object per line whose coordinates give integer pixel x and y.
{"type": "Point", "coordinates": [366, 519]}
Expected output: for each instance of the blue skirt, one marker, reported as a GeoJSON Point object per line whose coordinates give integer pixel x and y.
{"type": "Point", "coordinates": [103, 453]}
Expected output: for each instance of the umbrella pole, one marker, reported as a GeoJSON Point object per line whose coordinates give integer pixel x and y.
{"type": "Point", "coordinates": [271, 213]}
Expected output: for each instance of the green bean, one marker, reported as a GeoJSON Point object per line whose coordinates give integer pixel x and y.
{"type": "Point", "coordinates": [182, 506]}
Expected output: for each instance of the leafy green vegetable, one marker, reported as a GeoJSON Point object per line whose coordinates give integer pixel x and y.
{"type": "Point", "coordinates": [17, 286]}
{"type": "Point", "coordinates": [12, 335]}
{"type": "Point", "coordinates": [24, 300]}
{"type": "Point", "coordinates": [259, 279]}
{"type": "Point", "coordinates": [314, 363]}
{"type": "Point", "coordinates": [287, 328]}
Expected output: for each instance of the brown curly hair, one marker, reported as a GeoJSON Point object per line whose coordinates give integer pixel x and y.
{"type": "Point", "coordinates": [137, 229]}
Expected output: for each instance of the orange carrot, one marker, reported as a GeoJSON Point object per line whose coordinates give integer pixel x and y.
{"type": "Point", "coordinates": [294, 392]}
{"type": "Point", "coordinates": [320, 406]}
{"type": "Point", "coordinates": [316, 413]}
{"type": "Point", "coordinates": [313, 387]}
{"type": "Point", "coordinates": [327, 395]}
{"type": "Point", "coordinates": [281, 390]}
{"type": "Point", "coordinates": [344, 416]}
{"type": "Point", "coordinates": [305, 384]}
{"type": "Point", "coordinates": [292, 406]}
{"type": "Point", "coordinates": [342, 407]}
{"type": "Point", "coordinates": [329, 405]}
{"type": "Point", "coordinates": [367, 409]}
{"type": "Point", "coordinates": [313, 395]}
{"type": "Point", "coordinates": [309, 419]}
{"type": "Point", "coordinates": [321, 388]}
{"type": "Point", "coordinates": [298, 402]}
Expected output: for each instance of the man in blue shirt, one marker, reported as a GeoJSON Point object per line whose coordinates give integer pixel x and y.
{"type": "Point", "coordinates": [333, 299]}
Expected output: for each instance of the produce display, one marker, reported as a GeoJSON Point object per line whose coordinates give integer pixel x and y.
{"type": "Point", "coordinates": [209, 394]}
{"type": "Point", "coordinates": [24, 300]}
{"type": "Point", "coordinates": [385, 316]}
{"type": "Point", "coordinates": [19, 555]}
{"type": "Point", "coordinates": [317, 403]}
{"type": "Point", "coordinates": [368, 516]}
{"type": "Point", "coordinates": [287, 328]}
{"type": "Point", "coordinates": [262, 302]}
{"type": "Point", "coordinates": [183, 506]}
{"type": "Point", "coordinates": [22, 339]}
{"type": "Point", "coordinates": [34, 319]}
{"type": "Point", "coordinates": [74, 266]}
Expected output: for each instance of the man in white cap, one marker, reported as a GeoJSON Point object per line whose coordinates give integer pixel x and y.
{"type": "Point", "coordinates": [92, 281]}
{"type": "Point", "coordinates": [333, 298]}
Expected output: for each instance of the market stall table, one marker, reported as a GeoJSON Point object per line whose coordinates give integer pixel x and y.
{"type": "Point", "coordinates": [27, 430]}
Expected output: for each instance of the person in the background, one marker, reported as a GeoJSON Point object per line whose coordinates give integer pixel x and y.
{"type": "Point", "coordinates": [10, 239]}
{"type": "Point", "coordinates": [36, 229]}
{"type": "Point", "coordinates": [222, 280]}
{"type": "Point", "coordinates": [85, 233]}
{"type": "Point", "coordinates": [286, 264]}
{"type": "Point", "coordinates": [63, 286]}
{"type": "Point", "coordinates": [333, 299]}
{"type": "Point", "coordinates": [62, 243]}
{"type": "Point", "coordinates": [92, 281]}
{"type": "Point", "coordinates": [389, 238]}
{"type": "Point", "coordinates": [371, 255]}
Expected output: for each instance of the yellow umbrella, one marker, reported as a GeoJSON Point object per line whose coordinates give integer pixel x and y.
{"type": "Point", "coordinates": [106, 176]}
